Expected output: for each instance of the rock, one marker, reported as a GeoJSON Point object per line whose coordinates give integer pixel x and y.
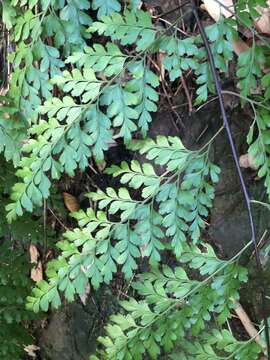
{"type": "Point", "coordinates": [230, 228]}
{"type": "Point", "coordinates": [72, 331]}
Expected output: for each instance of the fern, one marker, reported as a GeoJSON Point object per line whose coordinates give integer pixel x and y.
{"type": "Point", "coordinates": [143, 84]}
{"type": "Point", "coordinates": [122, 85]}
{"type": "Point", "coordinates": [111, 60]}
{"type": "Point", "coordinates": [174, 307]}
{"type": "Point", "coordinates": [250, 63]}
{"type": "Point", "coordinates": [259, 145]}
{"type": "Point", "coordinates": [72, 93]}
{"type": "Point", "coordinates": [13, 128]}
{"type": "Point", "coordinates": [187, 53]}
{"type": "Point", "coordinates": [211, 346]}
{"type": "Point", "coordinates": [247, 11]}
{"type": "Point", "coordinates": [106, 7]}
{"type": "Point", "coordinates": [126, 103]}
{"type": "Point", "coordinates": [103, 244]}
{"type": "Point", "coordinates": [129, 29]}
{"type": "Point", "coordinates": [175, 62]}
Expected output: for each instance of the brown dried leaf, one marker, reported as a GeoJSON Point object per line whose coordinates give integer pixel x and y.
{"type": "Point", "coordinates": [239, 46]}
{"type": "Point", "coordinates": [142, 250]}
{"type": "Point", "coordinates": [215, 10]}
{"type": "Point", "coordinates": [31, 350]}
{"type": "Point", "coordinates": [34, 254]}
{"type": "Point", "coordinates": [112, 143]}
{"type": "Point", "coordinates": [101, 165]}
{"type": "Point", "coordinates": [71, 203]}
{"type": "Point", "coordinates": [247, 161]}
{"type": "Point", "coordinates": [37, 272]}
{"type": "Point", "coordinates": [263, 23]}
{"type": "Point", "coordinates": [160, 58]}
{"type": "Point", "coordinates": [85, 295]}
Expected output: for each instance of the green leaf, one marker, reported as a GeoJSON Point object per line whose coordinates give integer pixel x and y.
{"type": "Point", "coordinates": [106, 7]}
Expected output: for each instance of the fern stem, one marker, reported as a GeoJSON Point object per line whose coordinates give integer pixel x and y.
{"type": "Point", "coordinates": [238, 168]}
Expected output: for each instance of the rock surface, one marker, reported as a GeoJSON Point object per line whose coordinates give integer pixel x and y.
{"type": "Point", "coordinates": [72, 331]}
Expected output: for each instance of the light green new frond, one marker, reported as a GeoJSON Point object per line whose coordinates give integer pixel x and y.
{"type": "Point", "coordinates": [174, 308]}
{"type": "Point", "coordinates": [217, 345]}
{"type": "Point", "coordinates": [43, 295]}
{"type": "Point", "coordinates": [115, 201]}
{"type": "Point", "coordinates": [180, 55]}
{"type": "Point", "coordinates": [120, 109]}
{"type": "Point", "coordinates": [144, 85]}
{"type": "Point", "coordinates": [80, 84]}
{"type": "Point", "coordinates": [70, 273]}
{"type": "Point", "coordinates": [131, 28]}
{"type": "Point", "coordinates": [65, 109]}
{"type": "Point", "coordinates": [149, 230]}
{"type": "Point", "coordinates": [259, 147]}
{"type": "Point", "coordinates": [106, 7]}
{"type": "Point", "coordinates": [109, 59]}
{"type": "Point", "coordinates": [13, 127]}
{"type": "Point", "coordinates": [167, 151]}
{"type": "Point", "coordinates": [249, 69]}
{"type": "Point", "coordinates": [137, 175]}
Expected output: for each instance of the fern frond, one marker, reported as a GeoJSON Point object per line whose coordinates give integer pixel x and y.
{"type": "Point", "coordinates": [106, 7]}
{"type": "Point", "coordinates": [84, 85]}
{"type": "Point", "coordinates": [135, 228]}
{"type": "Point", "coordinates": [174, 307]}
{"type": "Point", "coordinates": [13, 128]}
{"type": "Point", "coordinates": [144, 85]}
{"type": "Point", "coordinates": [259, 148]}
{"type": "Point", "coordinates": [109, 59]}
{"type": "Point", "coordinates": [164, 151]}
{"type": "Point", "coordinates": [250, 63]}
{"type": "Point", "coordinates": [137, 175]}
{"type": "Point", "coordinates": [131, 28]}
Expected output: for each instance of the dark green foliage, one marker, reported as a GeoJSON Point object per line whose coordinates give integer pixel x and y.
{"type": "Point", "coordinates": [13, 339]}
{"type": "Point", "coordinates": [14, 287]}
